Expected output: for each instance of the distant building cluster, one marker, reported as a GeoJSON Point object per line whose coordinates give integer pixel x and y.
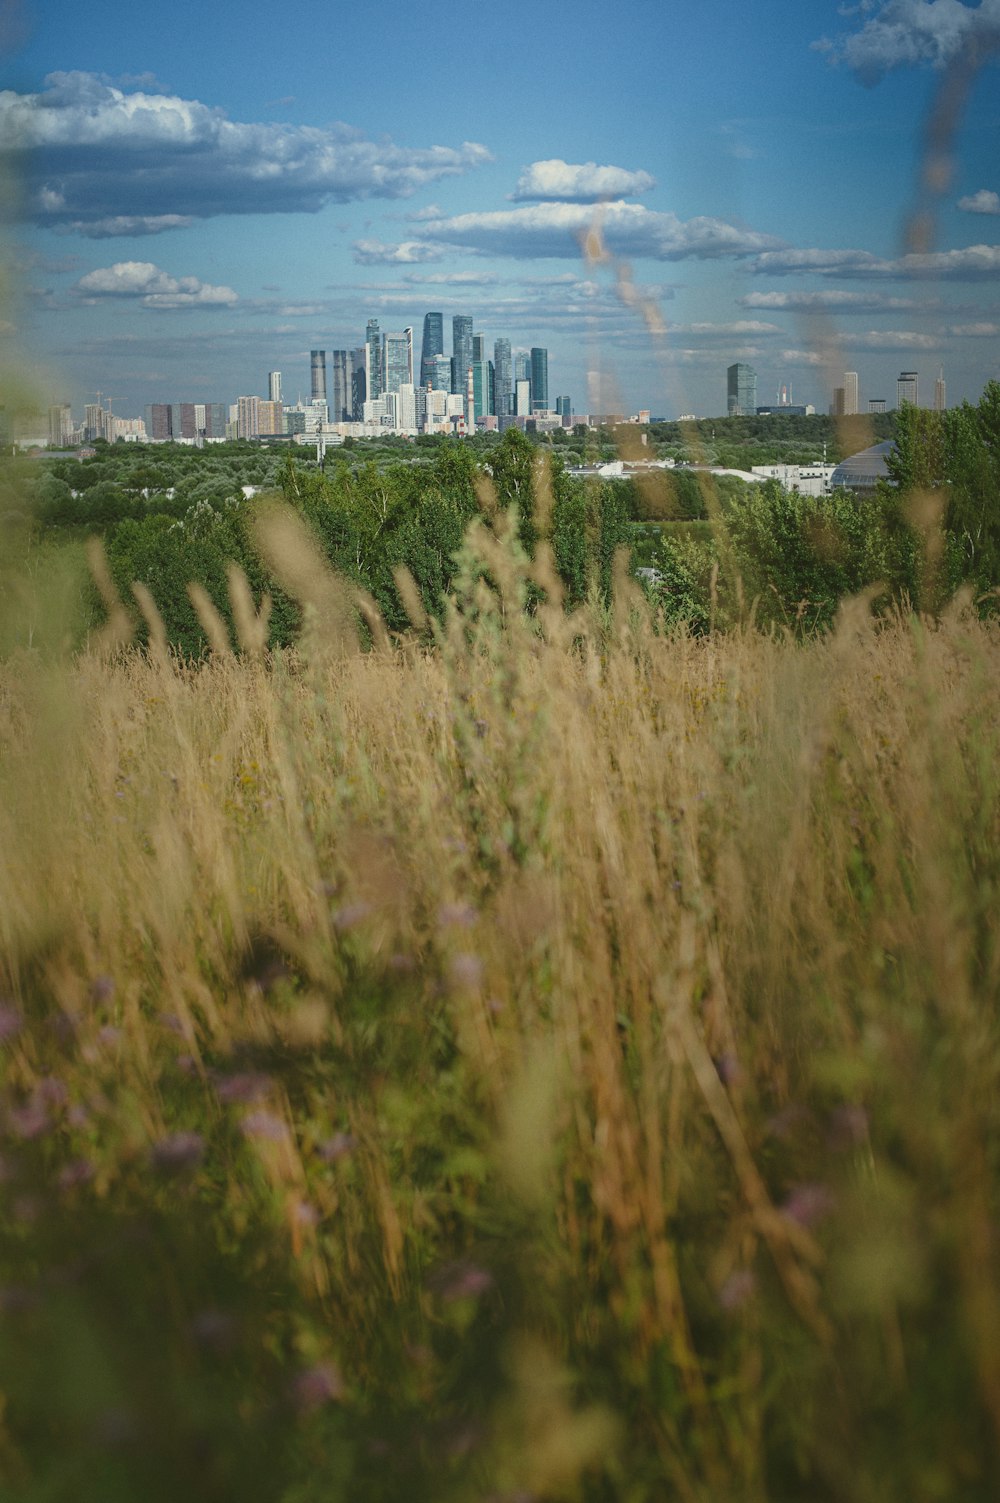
{"type": "Point", "coordinates": [741, 395]}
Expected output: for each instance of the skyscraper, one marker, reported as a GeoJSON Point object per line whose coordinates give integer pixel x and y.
{"type": "Point", "coordinates": [274, 386]}
{"type": "Point", "coordinates": [906, 388]}
{"type": "Point", "coordinates": [539, 380]}
{"type": "Point", "coordinates": [248, 415]}
{"type": "Point", "coordinates": [317, 366]}
{"type": "Point", "coordinates": [482, 388]}
{"type": "Point", "coordinates": [359, 382]}
{"type": "Point", "coordinates": [341, 405]}
{"type": "Point", "coordinates": [433, 344]}
{"type": "Point", "coordinates": [741, 390]}
{"type": "Point", "coordinates": [461, 351]}
{"type": "Point", "coordinates": [374, 374]}
{"type": "Point", "coordinates": [397, 359]}
{"type": "Point", "coordinates": [850, 393]}
{"type": "Point", "coordinates": [439, 373]}
{"type": "Point", "coordinates": [940, 393]}
{"type": "Point", "coordinates": [503, 380]}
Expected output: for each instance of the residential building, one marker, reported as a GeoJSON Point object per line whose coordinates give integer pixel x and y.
{"type": "Point", "coordinates": [248, 417]}
{"type": "Point", "coordinates": [850, 393]}
{"type": "Point", "coordinates": [60, 424]}
{"type": "Point", "coordinates": [522, 398]}
{"type": "Point", "coordinates": [317, 368]}
{"type": "Point", "coordinates": [359, 381]}
{"type": "Point", "coordinates": [341, 406]}
{"type": "Point", "coordinates": [274, 386]}
{"type": "Point", "coordinates": [270, 419]}
{"type": "Point", "coordinates": [940, 393]}
{"type": "Point", "coordinates": [374, 373]}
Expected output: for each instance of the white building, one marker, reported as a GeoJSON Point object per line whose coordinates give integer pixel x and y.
{"type": "Point", "coordinates": [805, 480]}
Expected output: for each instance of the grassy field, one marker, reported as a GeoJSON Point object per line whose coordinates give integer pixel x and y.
{"type": "Point", "coordinates": [556, 1060]}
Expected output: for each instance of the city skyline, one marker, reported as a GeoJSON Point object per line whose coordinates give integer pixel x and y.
{"type": "Point", "coordinates": [184, 225]}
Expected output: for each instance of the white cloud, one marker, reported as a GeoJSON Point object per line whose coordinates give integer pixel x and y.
{"type": "Point", "coordinates": [975, 331]}
{"type": "Point", "coordinates": [118, 225]}
{"type": "Point", "coordinates": [914, 32]}
{"type": "Point", "coordinates": [832, 302]}
{"type": "Point", "coordinates": [747, 328]}
{"type": "Point", "coordinates": [406, 253]}
{"type": "Point", "coordinates": [152, 287]}
{"type": "Point", "coordinates": [92, 153]}
{"type": "Point", "coordinates": [892, 339]}
{"type": "Point", "coordinates": [983, 202]}
{"type": "Point", "coordinates": [559, 230]}
{"type": "Point", "coordinates": [970, 263]}
{"type": "Point", "coordinates": [578, 182]}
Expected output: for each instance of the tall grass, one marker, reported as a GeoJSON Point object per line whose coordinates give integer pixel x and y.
{"type": "Point", "coordinates": [554, 1060]}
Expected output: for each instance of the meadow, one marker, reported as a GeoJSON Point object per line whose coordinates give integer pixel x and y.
{"type": "Point", "coordinates": [533, 1056]}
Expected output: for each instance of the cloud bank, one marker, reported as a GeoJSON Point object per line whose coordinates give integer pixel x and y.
{"type": "Point", "coordinates": [983, 202]}
{"type": "Point", "coordinates": [559, 229]}
{"type": "Point", "coordinates": [153, 288]}
{"type": "Point", "coordinates": [907, 33]}
{"type": "Point", "coordinates": [582, 182]}
{"type": "Point", "coordinates": [970, 263]}
{"type": "Point", "coordinates": [98, 160]}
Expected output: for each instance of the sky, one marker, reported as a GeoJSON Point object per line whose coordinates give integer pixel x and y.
{"type": "Point", "coordinates": [651, 190]}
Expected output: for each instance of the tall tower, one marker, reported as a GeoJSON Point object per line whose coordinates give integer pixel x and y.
{"type": "Point", "coordinates": [906, 388]}
{"type": "Point", "coordinates": [341, 394]}
{"type": "Point", "coordinates": [274, 386]}
{"type": "Point", "coordinates": [317, 367]}
{"type": "Point", "coordinates": [461, 351]}
{"type": "Point", "coordinates": [850, 393]}
{"type": "Point", "coordinates": [397, 360]}
{"type": "Point", "coordinates": [741, 390]}
{"type": "Point", "coordinates": [374, 373]}
{"type": "Point", "coordinates": [433, 344]}
{"type": "Point", "coordinates": [539, 380]}
{"type": "Point", "coordinates": [940, 393]}
{"type": "Point", "coordinates": [359, 382]}
{"type": "Point", "coordinates": [502, 377]}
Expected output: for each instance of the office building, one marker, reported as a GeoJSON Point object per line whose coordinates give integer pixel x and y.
{"type": "Point", "coordinates": [461, 352]}
{"type": "Point", "coordinates": [940, 393]}
{"type": "Point", "coordinates": [741, 390]}
{"type": "Point", "coordinates": [876, 404]}
{"type": "Point", "coordinates": [432, 346]}
{"type": "Point", "coordinates": [539, 380]}
{"type": "Point", "coordinates": [482, 388]}
{"type": "Point", "coordinates": [906, 388]}
{"type": "Point", "coordinates": [359, 381]}
{"type": "Point", "coordinates": [397, 360]}
{"type": "Point", "coordinates": [850, 393]}
{"type": "Point", "coordinates": [317, 365]}
{"type": "Point", "coordinates": [563, 406]}
{"type": "Point", "coordinates": [374, 374]}
{"type": "Point", "coordinates": [438, 376]}
{"type": "Point", "coordinates": [522, 398]}
{"type": "Point", "coordinates": [340, 388]}
{"type": "Point", "coordinates": [503, 377]}
{"type": "Point", "coordinates": [274, 386]}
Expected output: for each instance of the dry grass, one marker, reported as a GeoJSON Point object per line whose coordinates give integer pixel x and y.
{"type": "Point", "coordinates": [590, 1033]}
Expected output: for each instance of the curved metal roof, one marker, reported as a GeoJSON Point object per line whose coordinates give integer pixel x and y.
{"type": "Point", "coordinates": [862, 472]}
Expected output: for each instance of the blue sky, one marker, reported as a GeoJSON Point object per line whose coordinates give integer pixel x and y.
{"type": "Point", "coordinates": [208, 192]}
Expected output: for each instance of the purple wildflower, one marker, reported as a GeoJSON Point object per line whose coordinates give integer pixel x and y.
{"type": "Point", "coordinates": [728, 1068]}
{"type": "Point", "coordinates": [102, 988]}
{"type": "Point", "coordinates": [76, 1173]}
{"type": "Point", "coordinates": [808, 1204]}
{"type": "Point", "coordinates": [247, 1087]}
{"type": "Point", "coordinates": [461, 1280]}
{"type": "Point", "coordinates": [264, 1125]}
{"type": "Point", "coordinates": [11, 1022]}
{"type": "Point", "coordinates": [29, 1120]}
{"type": "Point", "coordinates": [848, 1127]}
{"type": "Point", "coordinates": [466, 969]}
{"type": "Point", "coordinates": [456, 915]}
{"type": "Point", "coordinates": [180, 1150]}
{"type": "Point", "coordinates": [337, 1147]}
{"type": "Point", "coordinates": [740, 1286]}
{"type": "Point", "coordinates": [350, 915]}
{"type": "Point", "coordinates": [317, 1386]}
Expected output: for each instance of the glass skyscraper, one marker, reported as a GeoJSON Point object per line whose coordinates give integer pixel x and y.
{"type": "Point", "coordinates": [539, 380]}
{"type": "Point", "coordinates": [741, 390]}
{"type": "Point", "coordinates": [461, 351]}
{"type": "Point", "coordinates": [503, 381]}
{"type": "Point", "coordinates": [359, 382]}
{"type": "Point", "coordinates": [374, 375]}
{"type": "Point", "coordinates": [433, 344]}
{"type": "Point", "coordinates": [341, 404]}
{"type": "Point", "coordinates": [398, 360]}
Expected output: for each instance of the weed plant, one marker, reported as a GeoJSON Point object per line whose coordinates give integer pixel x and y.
{"type": "Point", "coordinates": [541, 1056]}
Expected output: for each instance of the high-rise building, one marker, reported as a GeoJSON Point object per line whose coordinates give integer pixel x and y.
{"type": "Point", "coordinates": [539, 380]}
{"type": "Point", "coordinates": [340, 388]}
{"type": "Point", "coordinates": [741, 390]}
{"type": "Point", "coordinates": [433, 344]}
{"type": "Point", "coordinates": [503, 377]}
{"type": "Point", "coordinates": [374, 373]}
{"type": "Point", "coordinates": [522, 366]}
{"type": "Point", "coordinates": [850, 393]}
{"type": "Point", "coordinates": [564, 407]}
{"type": "Point", "coordinates": [906, 388]}
{"type": "Point", "coordinates": [876, 404]}
{"type": "Point", "coordinates": [60, 424]}
{"type": "Point", "coordinates": [270, 419]}
{"type": "Point", "coordinates": [439, 373]}
{"type": "Point", "coordinates": [522, 398]}
{"type": "Point", "coordinates": [158, 424]}
{"type": "Point", "coordinates": [359, 381]}
{"type": "Point", "coordinates": [317, 365]}
{"type": "Point", "coordinates": [482, 388]}
{"type": "Point", "coordinates": [397, 360]}
{"type": "Point", "coordinates": [837, 405]}
{"type": "Point", "coordinates": [274, 386]}
{"type": "Point", "coordinates": [940, 393]}
{"type": "Point", "coordinates": [478, 347]}
{"type": "Point", "coordinates": [461, 351]}
{"type": "Point", "coordinates": [248, 417]}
